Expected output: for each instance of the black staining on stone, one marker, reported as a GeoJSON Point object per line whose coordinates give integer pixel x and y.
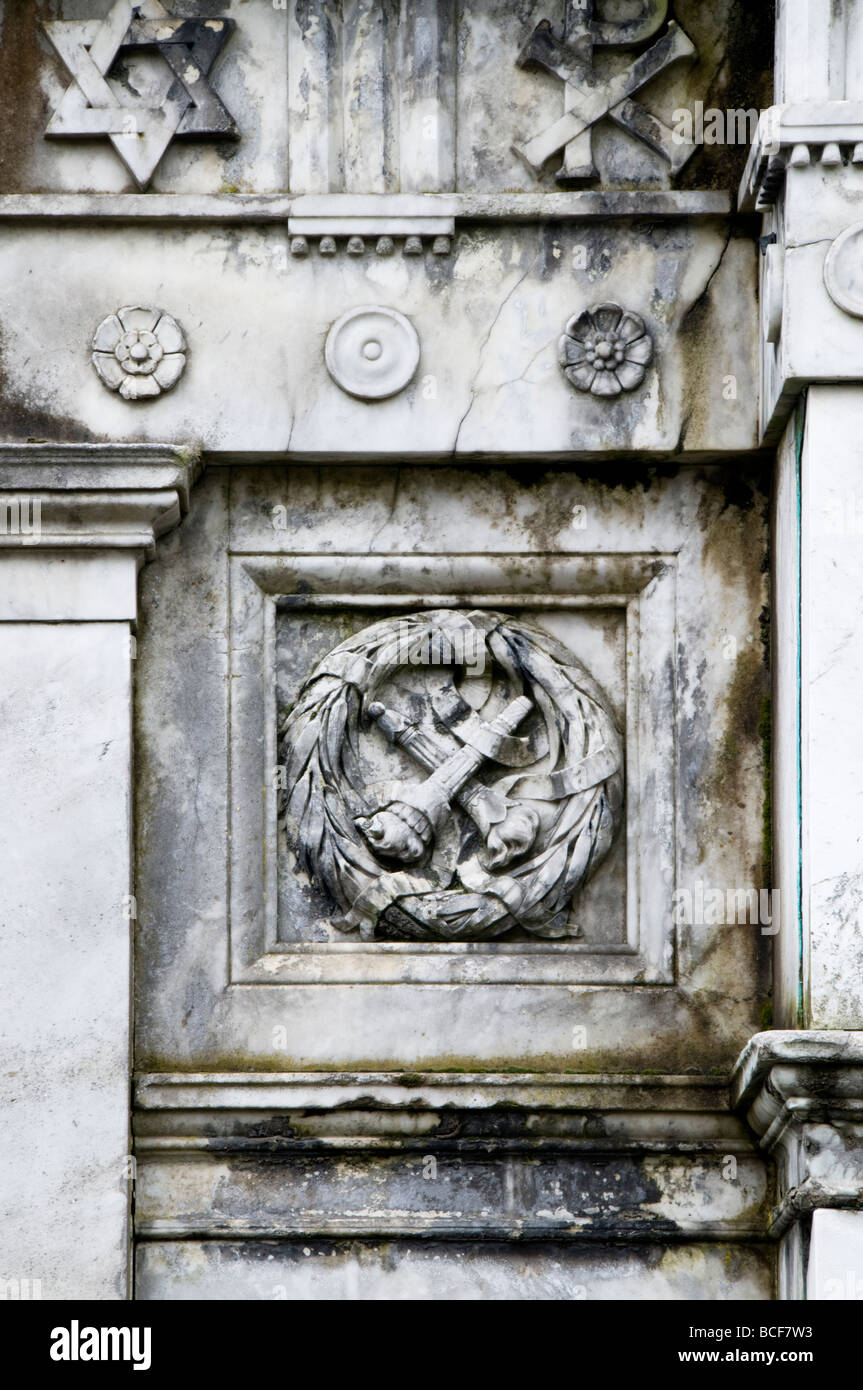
{"type": "Point", "coordinates": [694, 320]}
{"type": "Point", "coordinates": [26, 422]}
{"type": "Point", "coordinates": [561, 1193]}
{"type": "Point", "coordinates": [25, 56]}
{"type": "Point", "coordinates": [764, 627]}
{"type": "Point", "coordinates": [732, 72]}
{"type": "Point", "coordinates": [551, 254]}
{"type": "Point", "coordinates": [23, 423]}
{"type": "Point", "coordinates": [746, 485]}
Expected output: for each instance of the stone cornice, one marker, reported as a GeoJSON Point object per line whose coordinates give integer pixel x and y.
{"type": "Point", "coordinates": [684, 1113]}
{"type": "Point", "coordinates": [280, 208]}
{"type": "Point", "coordinates": [777, 1069]}
{"type": "Point", "coordinates": [802, 1095]}
{"type": "Point", "coordinates": [93, 496]}
{"type": "Point", "coordinates": [804, 173]}
{"type": "Point", "coordinates": [794, 136]}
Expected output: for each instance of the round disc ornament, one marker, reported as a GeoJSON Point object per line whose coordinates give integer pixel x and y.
{"type": "Point", "coordinates": [372, 352]}
{"type": "Point", "coordinates": [842, 271]}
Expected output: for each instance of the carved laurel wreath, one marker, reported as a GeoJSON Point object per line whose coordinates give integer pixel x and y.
{"type": "Point", "coordinates": [529, 815]}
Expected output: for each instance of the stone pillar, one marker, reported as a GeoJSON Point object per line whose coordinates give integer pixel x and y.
{"type": "Point", "coordinates": [799, 1089]}
{"type": "Point", "coordinates": [78, 522]}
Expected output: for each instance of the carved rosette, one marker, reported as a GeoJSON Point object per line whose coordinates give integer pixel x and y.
{"type": "Point", "coordinates": [605, 350]}
{"type": "Point", "coordinates": [139, 351]}
{"type": "Point", "coordinates": [451, 776]}
{"type": "Point", "coordinates": [372, 352]}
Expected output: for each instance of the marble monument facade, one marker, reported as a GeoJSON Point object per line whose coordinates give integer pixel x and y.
{"type": "Point", "coordinates": [430, 593]}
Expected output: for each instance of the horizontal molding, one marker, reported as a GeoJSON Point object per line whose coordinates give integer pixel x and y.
{"type": "Point", "coordinates": [74, 517]}
{"type": "Point", "coordinates": [814, 1195]}
{"type": "Point", "coordinates": [802, 1096]}
{"type": "Point", "coordinates": [810, 125]}
{"type": "Point", "coordinates": [474, 1156]}
{"type": "Point", "coordinates": [351, 1227]}
{"type": "Point", "coordinates": [347, 214]}
{"type": "Point", "coordinates": [104, 468]}
{"type": "Point", "coordinates": [203, 1091]}
{"type": "Point", "coordinates": [77, 521]}
{"type": "Point", "coordinates": [279, 208]}
{"type": "Point", "coordinates": [299, 580]}
{"type": "Point", "coordinates": [433, 1192]}
{"type": "Point", "coordinates": [144, 207]}
{"type": "Point", "coordinates": [92, 497]}
{"type": "Point", "coordinates": [817, 1064]}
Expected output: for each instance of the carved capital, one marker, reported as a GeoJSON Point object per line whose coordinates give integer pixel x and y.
{"type": "Point", "coordinates": [93, 496]}
{"type": "Point", "coordinates": [802, 1095]}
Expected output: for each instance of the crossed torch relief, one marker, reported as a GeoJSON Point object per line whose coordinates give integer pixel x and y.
{"type": "Point", "coordinates": [405, 826]}
{"type": "Point", "coordinates": [590, 97]}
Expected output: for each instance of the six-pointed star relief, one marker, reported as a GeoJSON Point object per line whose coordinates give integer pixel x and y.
{"type": "Point", "coordinates": [97, 104]}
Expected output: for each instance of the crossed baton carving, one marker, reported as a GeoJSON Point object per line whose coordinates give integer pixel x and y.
{"type": "Point", "coordinates": [590, 98]}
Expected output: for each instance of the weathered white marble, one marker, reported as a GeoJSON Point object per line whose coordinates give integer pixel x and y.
{"type": "Point", "coordinates": [440, 165]}
{"type": "Point", "coordinates": [800, 1093]}
{"type": "Point", "coordinates": [372, 352]}
{"type": "Point", "coordinates": [399, 1271]}
{"type": "Point", "coordinates": [64, 1145]}
{"type": "Point", "coordinates": [804, 172]}
{"type": "Point", "coordinates": [67, 612]}
{"type": "Point", "coordinates": [835, 1269]}
{"type": "Point", "coordinates": [488, 317]}
{"type": "Point", "coordinates": [360, 536]}
{"type": "Point", "coordinates": [250, 77]}
{"type": "Point", "coordinates": [831, 742]}
{"type": "Point", "coordinates": [788, 956]}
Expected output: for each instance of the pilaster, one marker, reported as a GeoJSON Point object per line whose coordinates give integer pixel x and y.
{"type": "Point", "coordinates": [802, 1094]}
{"type": "Point", "coordinates": [78, 522]}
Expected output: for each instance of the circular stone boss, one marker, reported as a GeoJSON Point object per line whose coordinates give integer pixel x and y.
{"type": "Point", "coordinates": [843, 274]}
{"type": "Point", "coordinates": [372, 352]}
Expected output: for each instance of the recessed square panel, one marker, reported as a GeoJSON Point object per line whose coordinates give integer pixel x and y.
{"type": "Point", "coordinates": [294, 616]}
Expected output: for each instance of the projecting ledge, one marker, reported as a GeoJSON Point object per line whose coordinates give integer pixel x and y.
{"type": "Point", "coordinates": [260, 208]}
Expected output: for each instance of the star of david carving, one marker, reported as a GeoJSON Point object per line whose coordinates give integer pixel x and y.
{"type": "Point", "coordinates": [95, 103]}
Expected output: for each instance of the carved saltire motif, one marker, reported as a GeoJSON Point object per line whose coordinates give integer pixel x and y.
{"type": "Point", "coordinates": [451, 776]}
{"type": "Point", "coordinates": [97, 103]}
{"type": "Point", "coordinates": [591, 97]}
